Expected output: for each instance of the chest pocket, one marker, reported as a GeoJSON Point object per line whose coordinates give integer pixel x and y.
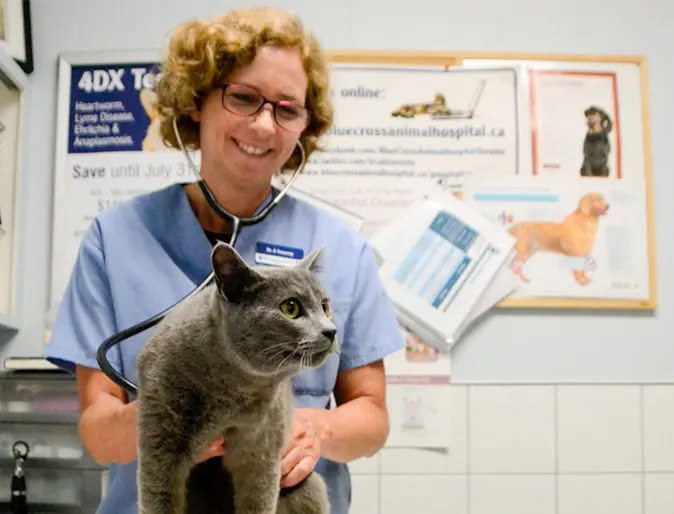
{"type": "Point", "coordinates": [313, 388]}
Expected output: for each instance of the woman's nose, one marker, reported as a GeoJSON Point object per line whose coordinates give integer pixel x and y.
{"type": "Point", "coordinates": [263, 121]}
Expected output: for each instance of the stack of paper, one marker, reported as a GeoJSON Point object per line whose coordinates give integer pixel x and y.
{"type": "Point", "coordinates": [443, 264]}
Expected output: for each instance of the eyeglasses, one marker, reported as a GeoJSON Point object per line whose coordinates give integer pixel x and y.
{"type": "Point", "coordinates": [246, 101]}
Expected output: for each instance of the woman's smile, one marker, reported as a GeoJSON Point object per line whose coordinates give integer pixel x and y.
{"type": "Point", "coordinates": [250, 149]}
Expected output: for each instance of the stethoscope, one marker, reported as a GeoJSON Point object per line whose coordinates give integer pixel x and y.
{"type": "Point", "coordinates": [237, 225]}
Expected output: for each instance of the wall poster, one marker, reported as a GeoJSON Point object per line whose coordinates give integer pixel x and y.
{"type": "Point", "coordinates": [582, 208]}
{"type": "Point", "coordinates": [10, 126]}
{"type": "Point", "coordinates": [567, 172]}
{"type": "Point", "coordinates": [406, 125]}
{"type": "Point", "coordinates": [108, 146]}
{"type": "Point", "coordinates": [401, 129]}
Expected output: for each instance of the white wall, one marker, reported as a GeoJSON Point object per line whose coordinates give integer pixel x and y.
{"type": "Point", "coordinates": [569, 449]}
{"type": "Point", "coordinates": [523, 449]}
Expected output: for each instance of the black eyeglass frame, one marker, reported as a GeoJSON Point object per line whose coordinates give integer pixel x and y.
{"type": "Point", "coordinates": [274, 104]}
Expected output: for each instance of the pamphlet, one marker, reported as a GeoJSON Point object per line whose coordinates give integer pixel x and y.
{"type": "Point", "coordinates": [443, 264]}
{"type": "Point", "coordinates": [418, 379]}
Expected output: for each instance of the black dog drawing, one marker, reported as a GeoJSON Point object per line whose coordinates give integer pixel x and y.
{"type": "Point", "coordinates": [596, 147]}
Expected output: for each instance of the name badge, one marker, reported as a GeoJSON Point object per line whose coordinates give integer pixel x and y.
{"type": "Point", "coordinates": [277, 255]}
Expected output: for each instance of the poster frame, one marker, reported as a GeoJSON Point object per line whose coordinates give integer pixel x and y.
{"type": "Point", "coordinates": [13, 77]}
{"type": "Point", "coordinates": [416, 58]}
{"type": "Point", "coordinates": [18, 33]}
{"type": "Point", "coordinates": [546, 61]}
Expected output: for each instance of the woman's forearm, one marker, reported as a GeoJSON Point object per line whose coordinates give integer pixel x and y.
{"type": "Point", "coordinates": [108, 430]}
{"type": "Point", "coordinates": [356, 429]}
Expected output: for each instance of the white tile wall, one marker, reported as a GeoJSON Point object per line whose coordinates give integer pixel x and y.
{"type": "Point", "coordinates": [518, 449]}
{"type": "Point", "coordinates": [595, 493]}
{"type": "Point", "coordinates": [512, 494]}
{"type": "Point", "coordinates": [430, 494]}
{"type": "Point", "coordinates": [599, 429]}
{"type": "Point", "coordinates": [512, 429]}
{"type": "Point", "coordinates": [659, 493]}
{"type": "Point", "coordinates": [658, 429]}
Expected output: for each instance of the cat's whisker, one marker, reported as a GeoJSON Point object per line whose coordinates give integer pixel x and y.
{"type": "Point", "coordinates": [272, 347]}
{"type": "Point", "coordinates": [280, 352]}
{"type": "Point", "coordinates": [278, 368]}
{"type": "Point", "coordinates": [303, 364]}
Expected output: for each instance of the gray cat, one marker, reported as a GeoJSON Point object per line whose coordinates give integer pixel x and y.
{"type": "Point", "coordinates": [220, 364]}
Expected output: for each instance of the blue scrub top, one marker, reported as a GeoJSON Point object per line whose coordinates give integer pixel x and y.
{"type": "Point", "coordinates": [144, 255]}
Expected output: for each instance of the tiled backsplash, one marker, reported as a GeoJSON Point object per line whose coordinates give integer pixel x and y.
{"type": "Point", "coordinates": [567, 449]}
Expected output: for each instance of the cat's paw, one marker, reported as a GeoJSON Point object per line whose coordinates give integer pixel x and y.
{"type": "Point", "coordinates": [308, 497]}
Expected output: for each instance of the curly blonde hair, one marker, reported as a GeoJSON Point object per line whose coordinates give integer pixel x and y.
{"type": "Point", "coordinates": [202, 54]}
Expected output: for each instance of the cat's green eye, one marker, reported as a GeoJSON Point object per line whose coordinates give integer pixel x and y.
{"type": "Point", "coordinates": [291, 308]}
{"type": "Point", "coordinates": [326, 307]}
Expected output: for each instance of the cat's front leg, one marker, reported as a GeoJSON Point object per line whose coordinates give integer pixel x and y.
{"type": "Point", "coordinates": [255, 468]}
{"type": "Point", "coordinates": [161, 484]}
{"type": "Point", "coordinates": [163, 469]}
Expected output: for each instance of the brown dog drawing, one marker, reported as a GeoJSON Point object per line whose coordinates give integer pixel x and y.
{"type": "Point", "coordinates": [411, 110]}
{"type": "Point", "coordinates": [573, 237]}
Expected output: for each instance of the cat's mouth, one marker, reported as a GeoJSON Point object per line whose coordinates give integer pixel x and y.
{"type": "Point", "coordinates": [307, 355]}
{"type": "Point", "coordinates": [318, 352]}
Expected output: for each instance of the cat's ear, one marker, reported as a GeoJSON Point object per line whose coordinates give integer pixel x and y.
{"type": "Point", "coordinates": [314, 261]}
{"type": "Point", "coordinates": [232, 275]}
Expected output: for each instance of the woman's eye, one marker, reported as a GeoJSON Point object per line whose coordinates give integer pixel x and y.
{"type": "Point", "coordinates": [243, 98]}
{"type": "Point", "coordinates": [288, 112]}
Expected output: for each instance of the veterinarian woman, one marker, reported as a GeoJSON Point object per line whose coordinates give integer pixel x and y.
{"type": "Point", "coordinates": [223, 80]}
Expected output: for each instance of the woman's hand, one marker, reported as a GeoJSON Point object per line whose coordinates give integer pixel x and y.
{"type": "Point", "coordinates": [302, 451]}
{"type": "Point", "coordinates": [216, 449]}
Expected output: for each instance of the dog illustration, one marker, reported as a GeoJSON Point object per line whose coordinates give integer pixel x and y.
{"type": "Point", "coordinates": [153, 140]}
{"type": "Point", "coordinates": [573, 237]}
{"type": "Point", "coordinates": [596, 147]}
{"type": "Point", "coordinates": [439, 106]}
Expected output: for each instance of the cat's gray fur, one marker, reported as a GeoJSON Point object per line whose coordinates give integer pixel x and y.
{"type": "Point", "coordinates": [220, 364]}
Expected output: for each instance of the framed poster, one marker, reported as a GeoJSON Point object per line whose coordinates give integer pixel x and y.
{"type": "Point", "coordinates": [582, 211]}
{"type": "Point", "coordinates": [108, 146]}
{"type": "Point", "coordinates": [15, 32]}
{"type": "Point", "coordinates": [408, 124]}
{"type": "Point", "coordinates": [12, 103]}
{"type": "Point", "coordinates": [580, 131]}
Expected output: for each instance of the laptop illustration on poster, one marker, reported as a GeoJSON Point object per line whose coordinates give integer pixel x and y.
{"type": "Point", "coordinates": [439, 110]}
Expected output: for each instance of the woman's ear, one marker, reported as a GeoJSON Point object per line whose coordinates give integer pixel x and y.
{"type": "Point", "coordinates": [196, 116]}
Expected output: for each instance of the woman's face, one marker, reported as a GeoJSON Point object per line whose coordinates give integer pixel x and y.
{"type": "Point", "coordinates": [246, 151]}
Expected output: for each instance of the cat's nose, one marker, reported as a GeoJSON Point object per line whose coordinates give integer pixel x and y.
{"type": "Point", "coordinates": [329, 333]}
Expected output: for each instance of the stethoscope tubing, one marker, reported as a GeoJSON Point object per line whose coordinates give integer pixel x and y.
{"type": "Point", "coordinates": [238, 223]}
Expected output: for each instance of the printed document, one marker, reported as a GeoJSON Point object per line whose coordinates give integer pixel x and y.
{"type": "Point", "coordinates": [418, 395]}
{"type": "Point", "coordinates": [576, 239]}
{"type": "Point", "coordinates": [438, 260]}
